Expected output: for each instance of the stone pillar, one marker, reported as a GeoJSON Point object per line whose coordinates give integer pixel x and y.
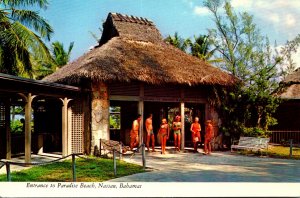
{"type": "Point", "coordinates": [182, 125]}
{"type": "Point", "coordinates": [100, 115]}
{"type": "Point", "coordinates": [7, 129]}
{"type": "Point", "coordinates": [215, 121]}
{"type": "Point", "coordinates": [207, 112]}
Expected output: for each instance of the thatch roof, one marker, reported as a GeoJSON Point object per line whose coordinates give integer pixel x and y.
{"type": "Point", "coordinates": [293, 77]}
{"type": "Point", "coordinates": [132, 49]}
{"type": "Point", "coordinates": [290, 86]}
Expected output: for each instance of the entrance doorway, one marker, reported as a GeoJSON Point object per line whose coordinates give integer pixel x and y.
{"type": "Point", "coordinates": [169, 110]}
{"type": "Point", "coordinates": [122, 114]}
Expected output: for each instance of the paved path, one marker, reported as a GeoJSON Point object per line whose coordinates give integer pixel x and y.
{"type": "Point", "coordinates": [217, 167]}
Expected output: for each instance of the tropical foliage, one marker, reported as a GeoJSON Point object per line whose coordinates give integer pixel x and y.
{"type": "Point", "coordinates": [199, 47]}
{"type": "Point", "coordinates": [60, 57]}
{"type": "Point", "coordinates": [178, 42]}
{"type": "Point", "coordinates": [21, 35]}
{"type": "Point", "coordinates": [247, 108]}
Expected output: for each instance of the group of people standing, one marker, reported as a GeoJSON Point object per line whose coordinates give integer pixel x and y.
{"type": "Point", "coordinates": [164, 133]}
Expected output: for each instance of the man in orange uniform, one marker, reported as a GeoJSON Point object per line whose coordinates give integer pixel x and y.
{"type": "Point", "coordinates": [134, 133]}
{"type": "Point", "coordinates": [195, 129]}
{"type": "Point", "coordinates": [150, 134]}
{"type": "Point", "coordinates": [209, 134]}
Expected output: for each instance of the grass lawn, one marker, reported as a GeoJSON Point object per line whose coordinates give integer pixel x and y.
{"type": "Point", "coordinates": [91, 170]}
{"type": "Point", "coordinates": [276, 152]}
{"type": "Point", "coordinates": [283, 152]}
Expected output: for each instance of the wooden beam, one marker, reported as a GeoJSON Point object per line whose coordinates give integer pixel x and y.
{"type": "Point", "coordinates": [124, 98]}
{"type": "Point", "coordinates": [182, 125]}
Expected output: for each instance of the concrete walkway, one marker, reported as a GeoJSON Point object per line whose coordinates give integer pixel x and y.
{"type": "Point", "coordinates": [217, 167]}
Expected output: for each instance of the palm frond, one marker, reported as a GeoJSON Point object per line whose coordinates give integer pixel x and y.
{"type": "Point", "coordinates": [31, 40]}
{"type": "Point", "coordinates": [13, 3]}
{"type": "Point", "coordinates": [33, 20]}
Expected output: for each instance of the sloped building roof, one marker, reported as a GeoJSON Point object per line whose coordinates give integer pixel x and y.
{"type": "Point", "coordinates": [290, 86]}
{"type": "Point", "coordinates": [132, 49]}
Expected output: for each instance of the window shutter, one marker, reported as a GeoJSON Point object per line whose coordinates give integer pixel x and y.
{"type": "Point", "coordinates": [77, 127]}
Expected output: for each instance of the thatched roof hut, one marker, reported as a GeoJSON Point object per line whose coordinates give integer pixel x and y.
{"type": "Point", "coordinates": [290, 86]}
{"type": "Point", "coordinates": [132, 49]}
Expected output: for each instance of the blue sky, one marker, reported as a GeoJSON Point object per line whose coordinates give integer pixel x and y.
{"type": "Point", "coordinates": [73, 20]}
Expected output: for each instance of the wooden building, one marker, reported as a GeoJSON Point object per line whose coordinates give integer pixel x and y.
{"type": "Point", "coordinates": [133, 69]}
{"type": "Point", "coordinates": [38, 98]}
{"type": "Point", "coordinates": [288, 112]}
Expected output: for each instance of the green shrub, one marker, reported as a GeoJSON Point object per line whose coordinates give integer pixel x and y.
{"type": "Point", "coordinates": [255, 132]}
{"type": "Point", "coordinates": [16, 126]}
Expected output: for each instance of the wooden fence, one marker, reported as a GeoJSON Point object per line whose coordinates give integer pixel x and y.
{"type": "Point", "coordinates": [283, 136]}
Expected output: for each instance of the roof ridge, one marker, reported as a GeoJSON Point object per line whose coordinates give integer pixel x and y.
{"type": "Point", "coordinates": [131, 19]}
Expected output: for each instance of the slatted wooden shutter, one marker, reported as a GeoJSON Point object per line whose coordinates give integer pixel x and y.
{"type": "Point", "coordinates": [123, 89]}
{"type": "Point", "coordinates": [77, 127]}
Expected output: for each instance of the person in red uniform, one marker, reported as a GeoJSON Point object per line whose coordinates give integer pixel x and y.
{"type": "Point", "coordinates": [196, 129]}
{"type": "Point", "coordinates": [164, 132]}
{"type": "Point", "coordinates": [209, 134]}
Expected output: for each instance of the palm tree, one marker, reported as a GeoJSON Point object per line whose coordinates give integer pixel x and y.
{"type": "Point", "coordinates": [178, 42]}
{"type": "Point", "coordinates": [21, 34]}
{"type": "Point", "coordinates": [201, 47]}
{"type": "Point", "coordinates": [60, 57]}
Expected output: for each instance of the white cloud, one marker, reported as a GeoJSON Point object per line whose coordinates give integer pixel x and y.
{"type": "Point", "coordinates": [290, 20]}
{"type": "Point", "coordinates": [198, 10]}
{"type": "Point", "coordinates": [241, 3]}
{"type": "Point", "coordinates": [278, 18]}
{"type": "Point", "coordinates": [274, 17]}
{"type": "Point", "coordinates": [296, 58]}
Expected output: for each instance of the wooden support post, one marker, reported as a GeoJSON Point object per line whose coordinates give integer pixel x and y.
{"type": "Point", "coordinates": [291, 148]}
{"type": "Point", "coordinates": [100, 147]}
{"type": "Point", "coordinates": [65, 102]}
{"type": "Point", "coordinates": [182, 125]}
{"type": "Point", "coordinates": [120, 150]}
{"type": "Point", "coordinates": [115, 162]}
{"type": "Point", "coordinates": [141, 111]}
{"type": "Point", "coordinates": [8, 176]}
{"type": "Point", "coordinates": [28, 109]}
{"type": "Point", "coordinates": [141, 130]}
{"type": "Point", "coordinates": [7, 129]}
{"type": "Point", "coordinates": [143, 156]}
{"type": "Point", "coordinates": [74, 167]}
